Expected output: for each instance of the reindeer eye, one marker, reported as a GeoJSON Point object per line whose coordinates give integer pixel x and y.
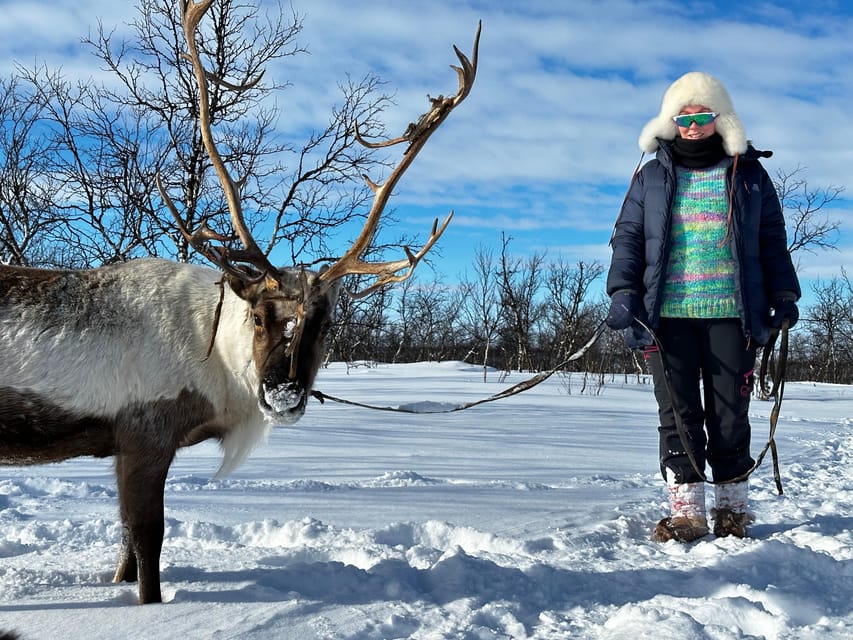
{"type": "Point", "coordinates": [259, 323]}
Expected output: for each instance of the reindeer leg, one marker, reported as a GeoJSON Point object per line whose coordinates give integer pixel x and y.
{"type": "Point", "coordinates": [141, 481]}
{"type": "Point", "coordinates": [126, 571]}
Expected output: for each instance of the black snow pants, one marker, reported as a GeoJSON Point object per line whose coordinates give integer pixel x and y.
{"type": "Point", "coordinates": [710, 364]}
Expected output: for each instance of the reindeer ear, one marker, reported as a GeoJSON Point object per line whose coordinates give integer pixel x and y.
{"type": "Point", "coordinates": [272, 284]}
{"type": "Point", "coordinates": [244, 289]}
{"type": "Point", "coordinates": [334, 292]}
{"type": "Point", "coordinates": [249, 290]}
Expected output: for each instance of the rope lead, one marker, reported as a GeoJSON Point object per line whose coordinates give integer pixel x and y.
{"type": "Point", "coordinates": [524, 385]}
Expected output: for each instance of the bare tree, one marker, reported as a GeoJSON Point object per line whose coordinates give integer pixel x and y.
{"type": "Point", "coordinates": [830, 332]}
{"type": "Point", "coordinates": [520, 280]}
{"type": "Point", "coordinates": [480, 304]}
{"type": "Point", "coordinates": [28, 187]}
{"type": "Point", "coordinates": [346, 336]}
{"type": "Point", "coordinates": [363, 328]}
{"type": "Point", "coordinates": [104, 145]}
{"type": "Point", "coordinates": [811, 230]}
{"type": "Point", "coordinates": [305, 192]}
{"type": "Point", "coordinates": [95, 155]}
{"type": "Point", "coordinates": [433, 319]}
{"type": "Point", "coordinates": [568, 315]}
{"type": "Point", "coordinates": [418, 330]}
{"type": "Point", "coordinates": [398, 331]}
{"type": "Point", "coordinates": [804, 209]}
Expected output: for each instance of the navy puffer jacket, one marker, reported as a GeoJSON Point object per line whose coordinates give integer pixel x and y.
{"type": "Point", "coordinates": [763, 267]}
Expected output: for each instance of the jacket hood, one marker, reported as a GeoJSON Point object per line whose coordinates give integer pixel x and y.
{"type": "Point", "coordinates": [695, 87]}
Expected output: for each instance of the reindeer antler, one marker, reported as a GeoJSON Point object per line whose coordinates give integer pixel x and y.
{"type": "Point", "coordinates": [416, 136]}
{"type": "Point", "coordinates": [221, 255]}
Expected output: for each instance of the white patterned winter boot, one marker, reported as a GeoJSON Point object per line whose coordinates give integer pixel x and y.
{"type": "Point", "coordinates": [687, 521]}
{"type": "Point", "coordinates": [729, 512]}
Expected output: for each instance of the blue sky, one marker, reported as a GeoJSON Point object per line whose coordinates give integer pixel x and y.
{"type": "Point", "coordinates": [545, 145]}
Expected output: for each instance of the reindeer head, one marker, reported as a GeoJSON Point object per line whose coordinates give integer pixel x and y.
{"type": "Point", "coordinates": [292, 308]}
{"type": "Point", "coordinates": [291, 313]}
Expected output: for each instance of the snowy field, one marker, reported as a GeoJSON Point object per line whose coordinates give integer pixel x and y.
{"type": "Point", "coordinates": [523, 518]}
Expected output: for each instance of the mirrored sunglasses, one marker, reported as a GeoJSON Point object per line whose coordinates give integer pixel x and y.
{"type": "Point", "coordinates": [700, 119]}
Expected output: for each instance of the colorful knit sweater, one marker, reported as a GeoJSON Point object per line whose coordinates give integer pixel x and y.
{"type": "Point", "coordinates": [700, 278]}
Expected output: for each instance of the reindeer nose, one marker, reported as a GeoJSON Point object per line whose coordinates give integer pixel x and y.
{"type": "Point", "coordinates": [283, 398]}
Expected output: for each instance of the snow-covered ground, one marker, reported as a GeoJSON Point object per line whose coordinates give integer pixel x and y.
{"type": "Point", "coordinates": [523, 518]}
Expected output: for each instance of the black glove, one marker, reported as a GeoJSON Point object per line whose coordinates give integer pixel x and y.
{"type": "Point", "coordinates": [623, 308]}
{"type": "Point", "coordinates": [784, 309]}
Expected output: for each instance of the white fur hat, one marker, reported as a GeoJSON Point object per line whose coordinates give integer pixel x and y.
{"type": "Point", "coordinates": [696, 88]}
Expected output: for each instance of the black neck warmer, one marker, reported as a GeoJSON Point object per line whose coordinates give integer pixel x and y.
{"type": "Point", "coordinates": [698, 154]}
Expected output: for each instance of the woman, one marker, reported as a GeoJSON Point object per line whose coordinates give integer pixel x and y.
{"type": "Point", "coordinates": [700, 257]}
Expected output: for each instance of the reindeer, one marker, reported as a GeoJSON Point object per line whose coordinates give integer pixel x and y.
{"type": "Point", "coordinates": [139, 359]}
